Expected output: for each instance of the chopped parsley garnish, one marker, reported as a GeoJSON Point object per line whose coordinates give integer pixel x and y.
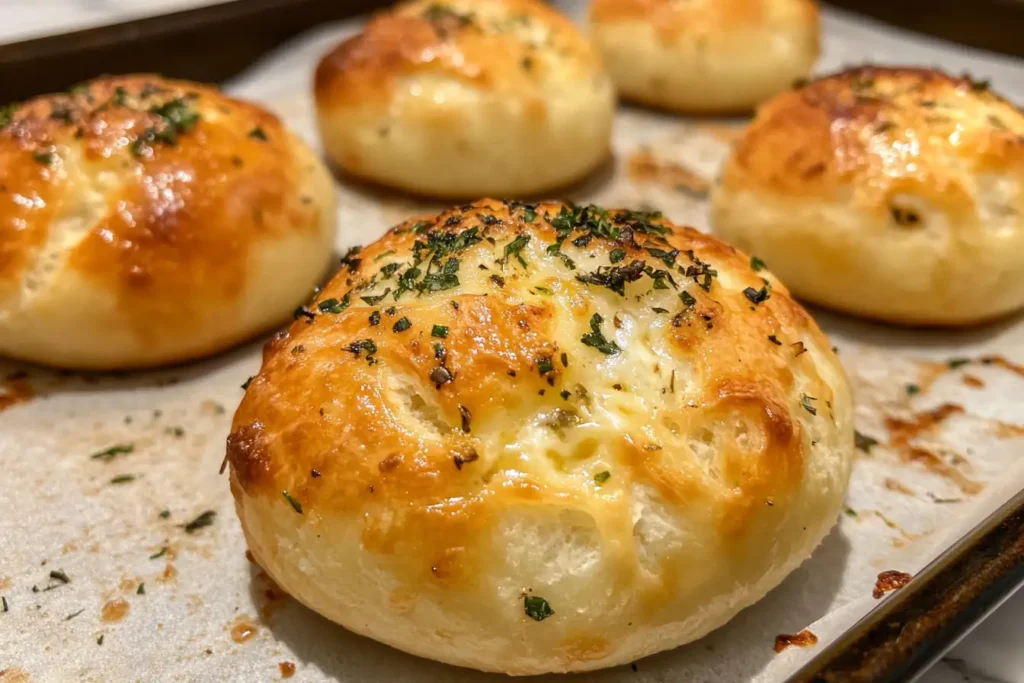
{"type": "Point", "coordinates": [203, 520]}
{"type": "Point", "coordinates": [109, 454]}
{"type": "Point", "coordinates": [667, 257]}
{"type": "Point", "coordinates": [954, 363]}
{"type": "Point", "coordinates": [565, 359]}
{"type": "Point", "coordinates": [381, 257]}
{"type": "Point", "coordinates": [367, 345]}
{"type": "Point", "coordinates": [602, 477]}
{"type": "Point", "coordinates": [375, 318]}
{"type": "Point", "coordinates": [389, 270]}
{"type": "Point", "coordinates": [497, 279]}
{"type": "Point", "coordinates": [660, 310]}
{"type": "Point", "coordinates": [805, 401]}
{"type": "Point", "coordinates": [141, 590]}
{"type": "Point", "coordinates": [296, 505]}
{"type": "Point", "coordinates": [544, 365]}
{"type": "Point", "coordinates": [904, 217]}
{"type": "Point", "coordinates": [529, 214]}
{"type": "Point", "coordinates": [700, 271]}
{"type": "Point", "coordinates": [597, 339]}
{"type": "Point", "coordinates": [401, 325]}
{"type": "Point", "coordinates": [158, 554]}
{"type": "Point", "coordinates": [617, 255]}
{"type": "Point", "coordinates": [466, 417]}
{"type": "Point", "coordinates": [850, 512]}
{"type": "Point", "coordinates": [614, 277]}
{"type": "Point", "coordinates": [439, 351]}
{"type": "Point", "coordinates": [123, 479]}
{"type": "Point", "coordinates": [439, 331]}
{"type": "Point", "coordinates": [351, 259]}
{"type": "Point", "coordinates": [537, 608]}
{"type": "Point", "coordinates": [164, 514]}
{"type": "Point", "coordinates": [246, 383]}
{"type": "Point", "coordinates": [774, 340]}
{"type": "Point", "coordinates": [756, 264]}
{"type": "Point", "coordinates": [302, 311]}
{"type": "Point", "coordinates": [758, 296]}
{"type": "Point", "coordinates": [863, 442]}
{"type": "Point", "coordinates": [44, 158]}
{"type": "Point", "coordinates": [565, 394]}
{"type": "Point", "coordinates": [258, 133]}
{"type": "Point", "coordinates": [333, 305]}
{"type": "Point", "coordinates": [120, 95]}
{"type": "Point", "coordinates": [374, 300]}
{"type": "Point", "coordinates": [177, 119]}
{"type": "Point", "coordinates": [687, 298]}
{"type": "Point", "coordinates": [7, 114]}
{"type": "Point", "coordinates": [515, 248]}
{"type": "Point", "coordinates": [913, 389]}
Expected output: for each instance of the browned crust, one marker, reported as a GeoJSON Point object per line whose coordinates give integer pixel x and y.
{"type": "Point", "coordinates": [809, 141]}
{"type": "Point", "coordinates": [319, 405]}
{"type": "Point", "coordinates": [202, 195]}
{"type": "Point", "coordinates": [451, 40]}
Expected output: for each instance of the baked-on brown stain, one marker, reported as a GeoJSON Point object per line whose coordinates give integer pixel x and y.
{"type": "Point", "coordinates": [16, 390]}
{"type": "Point", "coordinates": [889, 581]}
{"type": "Point", "coordinates": [903, 432]}
{"type": "Point", "coordinates": [645, 166]}
{"type": "Point", "coordinates": [14, 674]}
{"type": "Point", "coordinates": [243, 630]}
{"type": "Point", "coordinates": [287, 669]}
{"type": "Point", "coordinates": [1003, 363]}
{"type": "Point", "coordinates": [803, 639]}
{"type": "Point", "coordinates": [973, 382]}
{"type": "Point", "coordinates": [115, 610]}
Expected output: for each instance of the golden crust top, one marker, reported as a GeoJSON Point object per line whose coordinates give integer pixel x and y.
{"type": "Point", "coordinates": [496, 45]}
{"type": "Point", "coordinates": [505, 354]}
{"type": "Point", "coordinates": [884, 131]}
{"type": "Point", "coordinates": [144, 174]}
{"type": "Point", "coordinates": [674, 20]}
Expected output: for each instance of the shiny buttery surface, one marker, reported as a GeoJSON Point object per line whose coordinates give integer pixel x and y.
{"type": "Point", "coordinates": [140, 208]}
{"type": "Point", "coordinates": [471, 414]}
{"type": "Point", "coordinates": [882, 191]}
{"type": "Point", "coordinates": [466, 97]}
{"type": "Point", "coordinates": [705, 55]}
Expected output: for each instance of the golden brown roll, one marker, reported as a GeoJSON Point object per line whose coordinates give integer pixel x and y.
{"type": "Point", "coordinates": [705, 56]}
{"type": "Point", "coordinates": [147, 221]}
{"type": "Point", "coordinates": [541, 438]}
{"type": "Point", "coordinates": [462, 98]}
{"type": "Point", "coordinates": [892, 193]}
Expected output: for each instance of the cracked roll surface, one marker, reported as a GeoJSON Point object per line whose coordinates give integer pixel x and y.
{"type": "Point", "coordinates": [705, 56]}
{"type": "Point", "coordinates": [540, 438]}
{"type": "Point", "coordinates": [891, 193]}
{"type": "Point", "coordinates": [464, 98]}
{"type": "Point", "coordinates": [146, 221]}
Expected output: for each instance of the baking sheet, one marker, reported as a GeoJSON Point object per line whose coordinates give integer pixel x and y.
{"type": "Point", "coordinates": [205, 613]}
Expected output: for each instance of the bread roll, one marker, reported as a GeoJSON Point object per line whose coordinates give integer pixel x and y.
{"type": "Point", "coordinates": [546, 438]}
{"type": "Point", "coordinates": [891, 193]}
{"type": "Point", "coordinates": [705, 56]}
{"type": "Point", "coordinates": [461, 98]}
{"type": "Point", "coordinates": [147, 221]}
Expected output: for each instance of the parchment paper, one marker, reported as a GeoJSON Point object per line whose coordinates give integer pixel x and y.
{"type": "Point", "coordinates": [205, 613]}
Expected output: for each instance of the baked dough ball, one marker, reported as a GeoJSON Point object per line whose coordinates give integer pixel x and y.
{"type": "Point", "coordinates": [147, 221]}
{"type": "Point", "coordinates": [460, 98]}
{"type": "Point", "coordinates": [705, 56]}
{"type": "Point", "coordinates": [543, 438]}
{"type": "Point", "coordinates": [892, 193]}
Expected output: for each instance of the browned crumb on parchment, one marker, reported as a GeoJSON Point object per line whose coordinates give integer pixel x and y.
{"type": "Point", "coordinates": [243, 630]}
{"type": "Point", "coordinates": [803, 639]}
{"type": "Point", "coordinates": [14, 674]}
{"type": "Point", "coordinates": [287, 669]}
{"type": "Point", "coordinates": [889, 581]}
{"type": "Point", "coordinates": [646, 167]}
